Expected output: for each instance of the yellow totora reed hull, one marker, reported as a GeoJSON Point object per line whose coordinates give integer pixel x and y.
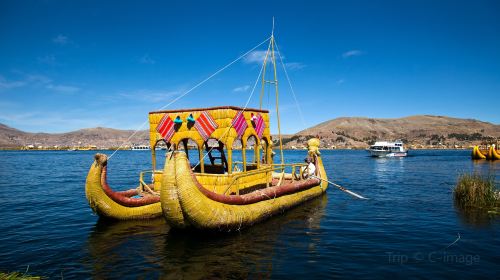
{"type": "Point", "coordinates": [170, 205]}
{"type": "Point", "coordinates": [493, 154]}
{"type": "Point", "coordinates": [105, 206]}
{"type": "Point", "coordinates": [476, 153]}
{"type": "Point", "coordinates": [184, 204]}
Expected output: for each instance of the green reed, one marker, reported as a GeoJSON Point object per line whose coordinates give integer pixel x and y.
{"type": "Point", "coordinates": [18, 276]}
{"type": "Point", "coordinates": [476, 191]}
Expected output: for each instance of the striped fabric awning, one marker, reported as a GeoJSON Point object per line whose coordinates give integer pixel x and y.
{"type": "Point", "coordinates": [260, 125]}
{"type": "Point", "coordinates": [166, 127]}
{"type": "Point", "coordinates": [205, 125]}
{"type": "Point", "coordinates": [240, 124]}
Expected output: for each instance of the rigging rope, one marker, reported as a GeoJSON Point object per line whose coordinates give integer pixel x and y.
{"type": "Point", "coordinates": [290, 84]}
{"type": "Point", "coordinates": [187, 92]}
{"type": "Point", "coordinates": [227, 130]}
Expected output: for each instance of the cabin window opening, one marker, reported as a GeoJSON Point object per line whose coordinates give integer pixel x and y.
{"type": "Point", "coordinates": [214, 158]}
{"type": "Point", "coordinates": [237, 156]}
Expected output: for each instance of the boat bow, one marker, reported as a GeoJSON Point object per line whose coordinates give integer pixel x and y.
{"type": "Point", "coordinates": [117, 205]}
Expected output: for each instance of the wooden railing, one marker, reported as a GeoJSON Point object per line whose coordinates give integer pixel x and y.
{"type": "Point", "coordinates": [267, 169]}
{"type": "Point", "coordinates": [141, 176]}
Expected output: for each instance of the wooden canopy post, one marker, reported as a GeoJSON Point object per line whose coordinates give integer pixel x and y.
{"type": "Point", "coordinates": [244, 154]}
{"type": "Point", "coordinates": [153, 155]}
{"type": "Point", "coordinates": [229, 161]}
{"type": "Point", "coordinates": [201, 159]}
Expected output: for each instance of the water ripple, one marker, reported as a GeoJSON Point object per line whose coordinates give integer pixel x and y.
{"type": "Point", "coordinates": [400, 232]}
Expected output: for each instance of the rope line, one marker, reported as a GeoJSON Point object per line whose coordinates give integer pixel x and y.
{"type": "Point", "coordinates": [187, 92]}
{"type": "Point", "coordinates": [290, 84]}
{"type": "Point", "coordinates": [244, 108]}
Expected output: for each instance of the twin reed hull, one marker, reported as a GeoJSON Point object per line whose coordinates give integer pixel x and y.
{"type": "Point", "coordinates": [116, 205]}
{"type": "Point", "coordinates": [184, 204]}
{"type": "Point", "coordinates": [491, 153]}
{"type": "Point", "coordinates": [477, 154]}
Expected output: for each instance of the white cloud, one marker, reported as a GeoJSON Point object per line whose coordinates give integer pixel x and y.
{"type": "Point", "coordinates": [259, 56]}
{"type": "Point", "coordinates": [146, 59]}
{"type": "Point", "coordinates": [60, 40]}
{"type": "Point", "coordinates": [256, 57]}
{"type": "Point", "coordinates": [294, 65]}
{"type": "Point", "coordinates": [4, 84]}
{"type": "Point", "coordinates": [37, 81]}
{"type": "Point", "coordinates": [351, 53]}
{"type": "Point", "coordinates": [63, 88]}
{"type": "Point", "coordinates": [52, 121]}
{"type": "Point", "coordinates": [242, 88]}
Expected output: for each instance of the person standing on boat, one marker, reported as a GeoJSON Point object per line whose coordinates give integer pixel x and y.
{"type": "Point", "coordinates": [309, 170]}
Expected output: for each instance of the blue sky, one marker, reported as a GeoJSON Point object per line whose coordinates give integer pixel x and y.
{"type": "Point", "coordinates": [66, 65]}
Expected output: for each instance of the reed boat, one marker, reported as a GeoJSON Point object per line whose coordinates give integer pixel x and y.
{"type": "Point", "coordinates": [478, 154]}
{"type": "Point", "coordinates": [493, 153]}
{"type": "Point", "coordinates": [219, 170]}
{"type": "Point", "coordinates": [203, 186]}
{"type": "Point", "coordinates": [490, 153]}
{"type": "Point", "coordinates": [142, 202]}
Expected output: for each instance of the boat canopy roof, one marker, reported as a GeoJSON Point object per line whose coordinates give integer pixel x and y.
{"type": "Point", "coordinates": [216, 123]}
{"type": "Point", "coordinates": [387, 143]}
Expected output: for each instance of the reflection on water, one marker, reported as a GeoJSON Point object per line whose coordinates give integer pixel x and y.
{"type": "Point", "coordinates": [474, 217]}
{"type": "Point", "coordinates": [490, 165]}
{"type": "Point", "coordinates": [153, 248]}
{"type": "Point", "coordinates": [50, 227]}
{"type": "Point", "coordinates": [385, 169]}
{"type": "Point", "coordinates": [113, 245]}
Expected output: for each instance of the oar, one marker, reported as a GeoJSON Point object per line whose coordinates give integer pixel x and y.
{"type": "Point", "coordinates": [341, 188]}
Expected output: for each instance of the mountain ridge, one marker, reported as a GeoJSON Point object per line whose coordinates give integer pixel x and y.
{"type": "Point", "coordinates": [417, 131]}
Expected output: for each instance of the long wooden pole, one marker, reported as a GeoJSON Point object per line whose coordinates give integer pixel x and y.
{"type": "Point", "coordinates": [341, 188]}
{"type": "Point", "coordinates": [277, 99]}
{"type": "Point", "coordinates": [264, 77]}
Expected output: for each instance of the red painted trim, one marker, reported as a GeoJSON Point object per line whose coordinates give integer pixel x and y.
{"type": "Point", "coordinates": [124, 197]}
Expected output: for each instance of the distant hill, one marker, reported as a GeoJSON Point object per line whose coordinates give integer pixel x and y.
{"type": "Point", "coordinates": [348, 132]}
{"type": "Point", "coordinates": [100, 136]}
{"type": "Point", "coordinates": [421, 131]}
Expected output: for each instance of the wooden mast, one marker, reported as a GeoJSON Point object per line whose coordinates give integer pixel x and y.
{"type": "Point", "coordinates": [270, 49]}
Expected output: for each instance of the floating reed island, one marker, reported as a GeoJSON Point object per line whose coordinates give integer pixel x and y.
{"type": "Point", "coordinates": [476, 192]}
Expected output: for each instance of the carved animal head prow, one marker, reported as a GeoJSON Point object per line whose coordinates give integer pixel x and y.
{"type": "Point", "coordinates": [101, 159]}
{"type": "Point", "coordinates": [313, 146]}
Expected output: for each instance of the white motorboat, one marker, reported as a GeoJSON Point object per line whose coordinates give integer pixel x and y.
{"type": "Point", "coordinates": [388, 149]}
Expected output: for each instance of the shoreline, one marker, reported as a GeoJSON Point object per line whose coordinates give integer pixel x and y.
{"type": "Point", "coordinates": [285, 149]}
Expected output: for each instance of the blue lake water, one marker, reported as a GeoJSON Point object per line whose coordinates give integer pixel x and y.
{"type": "Point", "coordinates": [408, 228]}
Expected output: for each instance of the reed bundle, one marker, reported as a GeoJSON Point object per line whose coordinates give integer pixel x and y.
{"type": "Point", "coordinates": [476, 191]}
